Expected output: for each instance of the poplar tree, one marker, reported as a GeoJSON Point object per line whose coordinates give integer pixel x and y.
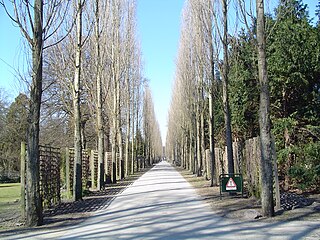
{"type": "Point", "coordinates": [264, 117]}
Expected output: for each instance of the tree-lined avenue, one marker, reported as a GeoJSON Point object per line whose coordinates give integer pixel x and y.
{"type": "Point", "coordinates": [162, 205]}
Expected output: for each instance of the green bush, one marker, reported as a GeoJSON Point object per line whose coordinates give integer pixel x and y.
{"type": "Point", "coordinates": [305, 172]}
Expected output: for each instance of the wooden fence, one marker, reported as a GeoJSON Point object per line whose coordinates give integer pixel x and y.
{"type": "Point", "coordinates": [49, 173]}
{"type": "Point", "coordinates": [89, 169]}
{"type": "Point", "coordinates": [108, 166]}
{"type": "Point", "coordinates": [246, 161]}
{"type": "Point", "coordinates": [89, 163]}
{"type": "Point", "coordinates": [50, 161]}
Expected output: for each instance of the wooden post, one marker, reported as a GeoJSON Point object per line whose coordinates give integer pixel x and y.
{"type": "Point", "coordinates": [23, 180]}
{"type": "Point", "coordinates": [276, 178]}
{"type": "Point", "coordinates": [106, 165]}
{"type": "Point", "coordinates": [68, 173]}
{"type": "Point", "coordinates": [93, 182]}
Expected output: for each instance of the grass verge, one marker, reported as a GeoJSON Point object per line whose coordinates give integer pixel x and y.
{"type": "Point", "coordinates": [9, 203]}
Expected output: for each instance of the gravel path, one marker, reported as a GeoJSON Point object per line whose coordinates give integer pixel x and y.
{"type": "Point", "coordinates": [162, 205]}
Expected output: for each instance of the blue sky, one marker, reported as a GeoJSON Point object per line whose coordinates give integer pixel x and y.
{"type": "Point", "coordinates": [10, 55]}
{"type": "Point", "coordinates": [158, 30]}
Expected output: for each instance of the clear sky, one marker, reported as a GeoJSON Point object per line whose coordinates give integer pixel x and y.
{"type": "Point", "coordinates": [10, 55]}
{"type": "Point", "coordinates": [158, 29]}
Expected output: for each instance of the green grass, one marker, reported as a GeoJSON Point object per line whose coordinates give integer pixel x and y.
{"type": "Point", "coordinates": [9, 199]}
{"type": "Point", "coordinates": [9, 192]}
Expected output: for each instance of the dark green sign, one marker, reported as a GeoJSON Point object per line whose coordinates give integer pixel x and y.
{"type": "Point", "coordinates": [231, 183]}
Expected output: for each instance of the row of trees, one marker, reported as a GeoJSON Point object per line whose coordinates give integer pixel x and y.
{"type": "Point", "coordinates": [261, 80]}
{"type": "Point", "coordinates": [87, 77]}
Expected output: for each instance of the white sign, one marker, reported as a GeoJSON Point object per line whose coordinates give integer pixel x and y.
{"type": "Point", "coordinates": [231, 185]}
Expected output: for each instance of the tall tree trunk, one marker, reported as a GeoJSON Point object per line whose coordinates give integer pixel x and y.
{"type": "Point", "coordinates": [225, 73]}
{"type": "Point", "coordinates": [128, 120]}
{"type": "Point", "coordinates": [288, 162]}
{"type": "Point", "coordinates": [191, 153]}
{"type": "Point", "coordinates": [114, 135]}
{"type": "Point", "coordinates": [186, 151]}
{"type": "Point", "coordinates": [118, 80]}
{"type": "Point", "coordinates": [128, 127]}
{"type": "Point", "coordinates": [211, 113]}
{"type": "Point", "coordinates": [211, 132]}
{"type": "Point", "coordinates": [287, 141]}
{"type": "Point", "coordinates": [198, 159]}
{"type": "Point", "coordinates": [137, 143]}
{"type": "Point", "coordinates": [183, 152]}
{"type": "Point", "coordinates": [203, 146]}
{"type": "Point", "coordinates": [33, 198]}
{"type": "Point", "coordinates": [83, 135]}
{"type": "Point", "coordinates": [121, 162]}
{"type": "Point", "coordinates": [100, 181]}
{"type": "Point", "coordinates": [77, 183]}
{"type": "Point", "coordinates": [133, 152]}
{"type": "Point", "coordinates": [264, 117]}
{"type": "Point", "coordinates": [118, 124]}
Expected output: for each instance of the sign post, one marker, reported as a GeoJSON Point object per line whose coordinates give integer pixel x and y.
{"type": "Point", "coordinates": [231, 183]}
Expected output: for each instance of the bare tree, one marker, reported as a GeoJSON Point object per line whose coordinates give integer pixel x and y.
{"type": "Point", "coordinates": [225, 97]}
{"type": "Point", "coordinates": [224, 69]}
{"type": "Point", "coordinates": [37, 24]}
{"type": "Point", "coordinates": [77, 180]}
{"type": "Point", "coordinates": [264, 117]}
{"type": "Point", "coordinates": [100, 181]}
{"type": "Point", "coordinates": [152, 136]}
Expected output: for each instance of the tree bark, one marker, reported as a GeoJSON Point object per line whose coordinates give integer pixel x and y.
{"type": "Point", "coordinates": [198, 159]}
{"type": "Point", "coordinates": [213, 178]}
{"type": "Point", "coordinates": [225, 97]}
{"type": "Point", "coordinates": [203, 155]}
{"type": "Point", "coordinates": [114, 136]}
{"type": "Point", "coordinates": [191, 154]}
{"type": "Point", "coordinates": [33, 198]}
{"type": "Point", "coordinates": [77, 180]}
{"type": "Point", "coordinates": [133, 142]}
{"type": "Point", "coordinates": [100, 180]}
{"type": "Point", "coordinates": [137, 142]}
{"type": "Point", "coordinates": [264, 117]}
{"type": "Point", "coordinates": [212, 143]}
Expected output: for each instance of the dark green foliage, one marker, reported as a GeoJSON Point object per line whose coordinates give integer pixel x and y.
{"type": "Point", "coordinates": [293, 66]}
{"type": "Point", "coordinates": [306, 170]}
{"type": "Point", "coordinates": [318, 13]}
{"type": "Point", "coordinates": [13, 133]}
{"type": "Point", "coordinates": [3, 114]}
{"type": "Point", "coordinates": [293, 57]}
{"type": "Point", "coordinates": [244, 97]}
{"type": "Point", "coordinates": [219, 124]}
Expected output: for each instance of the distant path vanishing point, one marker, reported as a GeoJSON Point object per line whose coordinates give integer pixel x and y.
{"type": "Point", "coordinates": [161, 204]}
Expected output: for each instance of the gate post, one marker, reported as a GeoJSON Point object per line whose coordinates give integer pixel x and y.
{"type": "Point", "coordinates": [92, 167]}
{"type": "Point", "coordinates": [23, 180]}
{"type": "Point", "coordinates": [68, 173]}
